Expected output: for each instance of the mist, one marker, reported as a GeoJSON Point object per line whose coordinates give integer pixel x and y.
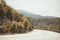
{"type": "Point", "coordinates": [39, 7]}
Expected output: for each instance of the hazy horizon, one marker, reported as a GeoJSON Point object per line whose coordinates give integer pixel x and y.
{"type": "Point", "coordinates": [39, 7]}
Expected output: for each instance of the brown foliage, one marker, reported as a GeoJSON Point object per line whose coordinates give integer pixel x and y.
{"type": "Point", "coordinates": [13, 22]}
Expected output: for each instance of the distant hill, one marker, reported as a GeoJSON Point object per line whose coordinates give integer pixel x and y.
{"type": "Point", "coordinates": [29, 14]}
{"type": "Point", "coordinates": [43, 22]}
{"type": "Point", "coordinates": [32, 15]}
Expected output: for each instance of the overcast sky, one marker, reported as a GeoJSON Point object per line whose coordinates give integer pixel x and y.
{"type": "Point", "coordinates": [40, 7]}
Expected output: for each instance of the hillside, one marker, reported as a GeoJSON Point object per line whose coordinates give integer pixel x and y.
{"type": "Point", "coordinates": [50, 23]}
{"type": "Point", "coordinates": [32, 15]}
{"type": "Point", "coordinates": [12, 21]}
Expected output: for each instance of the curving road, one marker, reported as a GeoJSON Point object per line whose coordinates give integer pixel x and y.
{"type": "Point", "coordinates": [34, 35]}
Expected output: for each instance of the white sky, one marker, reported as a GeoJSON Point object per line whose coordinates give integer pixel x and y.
{"type": "Point", "coordinates": [40, 7]}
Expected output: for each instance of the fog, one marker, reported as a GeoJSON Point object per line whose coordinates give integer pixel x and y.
{"type": "Point", "coordinates": [39, 7]}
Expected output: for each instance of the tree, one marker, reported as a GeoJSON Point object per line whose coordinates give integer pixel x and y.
{"type": "Point", "coordinates": [9, 15]}
{"type": "Point", "coordinates": [2, 1]}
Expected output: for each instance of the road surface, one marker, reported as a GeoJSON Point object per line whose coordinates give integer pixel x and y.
{"type": "Point", "coordinates": [34, 35]}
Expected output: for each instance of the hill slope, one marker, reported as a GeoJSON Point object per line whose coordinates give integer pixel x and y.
{"type": "Point", "coordinates": [43, 22]}
{"type": "Point", "coordinates": [13, 22]}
